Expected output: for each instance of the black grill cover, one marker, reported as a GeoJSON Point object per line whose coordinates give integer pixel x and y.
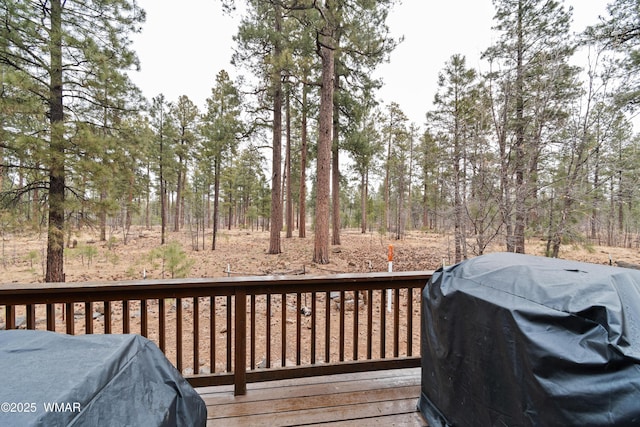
{"type": "Point", "coordinates": [51, 379]}
{"type": "Point", "coordinates": [517, 340]}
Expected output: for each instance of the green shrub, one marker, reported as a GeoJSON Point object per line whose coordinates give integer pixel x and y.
{"type": "Point", "coordinates": [174, 259]}
{"type": "Point", "coordinates": [88, 252]}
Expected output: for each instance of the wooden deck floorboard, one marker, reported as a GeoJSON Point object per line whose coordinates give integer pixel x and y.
{"type": "Point", "coordinates": [382, 398]}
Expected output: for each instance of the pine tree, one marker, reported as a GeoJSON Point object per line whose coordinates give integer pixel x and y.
{"type": "Point", "coordinates": [161, 122]}
{"type": "Point", "coordinates": [533, 47]}
{"type": "Point", "coordinates": [220, 128]}
{"type": "Point", "coordinates": [365, 145]}
{"type": "Point", "coordinates": [56, 48]}
{"type": "Point", "coordinates": [362, 43]}
{"type": "Point", "coordinates": [453, 118]}
{"type": "Point", "coordinates": [620, 34]}
{"type": "Point", "coordinates": [428, 165]}
{"type": "Point", "coordinates": [262, 48]}
{"type": "Point", "coordinates": [394, 133]}
{"type": "Point", "coordinates": [186, 114]}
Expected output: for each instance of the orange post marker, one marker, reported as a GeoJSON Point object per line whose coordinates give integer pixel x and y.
{"type": "Point", "coordinates": [390, 253]}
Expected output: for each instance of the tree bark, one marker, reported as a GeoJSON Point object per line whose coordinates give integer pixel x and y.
{"type": "Point", "coordinates": [521, 191]}
{"type": "Point", "coordinates": [302, 228]}
{"type": "Point", "coordinates": [387, 182]}
{"type": "Point", "coordinates": [216, 196]}
{"type": "Point", "coordinates": [335, 169]}
{"type": "Point", "coordinates": [425, 211]}
{"type": "Point", "coordinates": [276, 205]}
{"type": "Point", "coordinates": [163, 189]}
{"type": "Point", "coordinates": [596, 199]}
{"type": "Point", "coordinates": [102, 216]}
{"type": "Point", "coordinates": [55, 235]}
{"type": "Point", "coordinates": [457, 204]}
{"type": "Point", "coordinates": [321, 242]}
{"type": "Point", "coordinates": [410, 223]}
{"type": "Point", "coordinates": [179, 196]}
{"type": "Point", "coordinates": [147, 214]}
{"type": "Point", "coordinates": [363, 201]}
{"type": "Point", "coordinates": [287, 162]}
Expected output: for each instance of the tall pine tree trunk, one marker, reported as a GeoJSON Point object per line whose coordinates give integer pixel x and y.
{"type": "Point", "coordinates": [55, 235]}
{"type": "Point", "coordinates": [102, 216]}
{"type": "Point", "coordinates": [410, 223]}
{"type": "Point", "coordinates": [276, 205]}
{"type": "Point", "coordinates": [387, 183]}
{"type": "Point", "coordinates": [302, 228]}
{"type": "Point", "coordinates": [129, 208]}
{"type": "Point", "coordinates": [35, 208]}
{"type": "Point", "coordinates": [335, 168]}
{"type": "Point", "coordinates": [596, 202]}
{"type": "Point", "coordinates": [425, 205]}
{"type": "Point", "coordinates": [321, 243]}
{"type": "Point", "coordinates": [147, 214]}
{"type": "Point", "coordinates": [163, 191]}
{"type": "Point", "coordinates": [216, 196]}
{"type": "Point", "coordinates": [287, 162]}
{"type": "Point", "coordinates": [457, 204]}
{"type": "Point", "coordinates": [178, 206]}
{"type": "Point", "coordinates": [363, 201]}
{"type": "Point", "coordinates": [521, 190]}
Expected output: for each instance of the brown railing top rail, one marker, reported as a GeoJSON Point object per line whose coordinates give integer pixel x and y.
{"type": "Point", "coordinates": [45, 293]}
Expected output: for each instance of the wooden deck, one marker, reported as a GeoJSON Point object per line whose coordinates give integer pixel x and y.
{"type": "Point", "coordinates": [380, 398]}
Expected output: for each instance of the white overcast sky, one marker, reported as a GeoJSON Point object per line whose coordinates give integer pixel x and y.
{"type": "Point", "coordinates": [184, 45]}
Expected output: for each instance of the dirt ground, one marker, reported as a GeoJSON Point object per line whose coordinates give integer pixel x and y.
{"type": "Point", "coordinates": [244, 252]}
{"type": "Point", "coordinates": [241, 252]}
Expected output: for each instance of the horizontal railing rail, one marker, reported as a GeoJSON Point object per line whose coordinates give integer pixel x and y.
{"type": "Point", "coordinates": [235, 330]}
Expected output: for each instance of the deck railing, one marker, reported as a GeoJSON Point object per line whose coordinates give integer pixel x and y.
{"type": "Point", "coordinates": [236, 330]}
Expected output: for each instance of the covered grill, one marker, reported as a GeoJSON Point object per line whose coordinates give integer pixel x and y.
{"type": "Point", "coordinates": [51, 379]}
{"type": "Point", "coordinates": [513, 339]}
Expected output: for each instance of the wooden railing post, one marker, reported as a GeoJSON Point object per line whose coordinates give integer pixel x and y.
{"type": "Point", "coordinates": [240, 344]}
{"type": "Point", "coordinates": [51, 317]}
{"type": "Point", "coordinates": [10, 317]}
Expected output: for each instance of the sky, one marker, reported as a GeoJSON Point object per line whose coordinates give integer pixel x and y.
{"type": "Point", "coordinates": [183, 46]}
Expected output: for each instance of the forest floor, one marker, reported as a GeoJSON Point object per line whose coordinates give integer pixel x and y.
{"type": "Point", "coordinates": [241, 252]}
{"type": "Point", "coordinates": [22, 257]}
